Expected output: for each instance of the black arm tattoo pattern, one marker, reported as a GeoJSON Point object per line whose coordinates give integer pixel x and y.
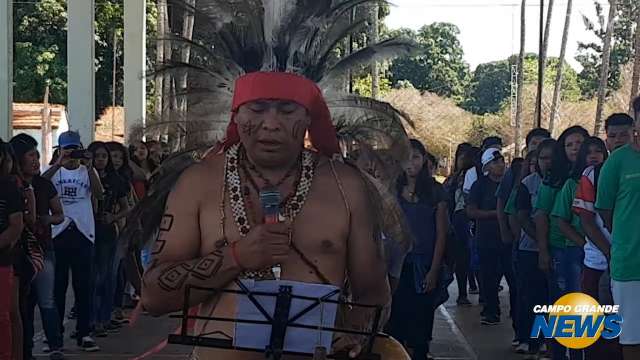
{"type": "Point", "coordinates": [165, 226]}
{"type": "Point", "coordinates": [174, 277]}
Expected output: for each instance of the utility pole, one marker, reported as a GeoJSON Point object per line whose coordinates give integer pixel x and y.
{"type": "Point", "coordinates": [540, 69]}
{"type": "Point", "coordinates": [113, 84]}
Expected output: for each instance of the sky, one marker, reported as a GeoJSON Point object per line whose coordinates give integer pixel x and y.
{"type": "Point", "coordinates": [490, 29]}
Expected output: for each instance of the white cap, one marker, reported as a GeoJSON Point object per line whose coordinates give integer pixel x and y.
{"type": "Point", "coordinates": [488, 156]}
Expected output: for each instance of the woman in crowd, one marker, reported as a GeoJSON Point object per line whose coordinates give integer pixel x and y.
{"type": "Point", "coordinates": [425, 206]}
{"type": "Point", "coordinates": [11, 226]}
{"type": "Point", "coordinates": [111, 208]}
{"type": "Point", "coordinates": [127, 260]}
{"type": "Point", "coordinates": [559, 257]}
{"type": "Point", "coordinates": [532, 283]}
{"type": "Point", "coordinates": [593, 154]}
{"type": "Point", "coordinates": [48, 212]}
{"type": "Point", "coordinates": [141, 166]}
{"type": "Point", "coordinates": [459, 220]}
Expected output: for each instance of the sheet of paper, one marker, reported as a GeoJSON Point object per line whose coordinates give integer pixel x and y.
{"type": "Point", "coordinates": [256, 336]}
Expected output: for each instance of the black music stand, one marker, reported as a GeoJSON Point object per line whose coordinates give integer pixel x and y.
{"type": "Point", "coordinates": [279, 322]}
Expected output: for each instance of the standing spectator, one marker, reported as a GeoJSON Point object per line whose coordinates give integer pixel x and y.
{"type": "Point", "coordinates": [111, 207]}
{"type": "Point", "coordinates": [127, 259]}
{"type": "Point", "coordinates": [156, 152]}
{"type": "Point", "coordinates": [597, 236]}
{"type": "Point", "coordinates": [532, 283]}
{"type": "Point", "coordinates": [618, 200]}
{"type": "Point", "coordinates": [424, 203]}
{"type": "Point", "coordinates": [48, 212]}
{"type": "Point", "coordinates": [481, 206]}
{"type": "Point", "coordinates": [470, 177]}
{"type": "Point", "coordinates": [78, 187]}
{"type": "Point", "coordinates": [11, 225]}
{"type": "Point", "coordinates": [459, 220]}
{"type": "Point", "coordinates": [141, 166]}
{"type": "Point", "coordinates": [558, 256]}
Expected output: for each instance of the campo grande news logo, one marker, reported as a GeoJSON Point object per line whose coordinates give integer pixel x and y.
{"type": "Point", "coordinates": [577, 321]}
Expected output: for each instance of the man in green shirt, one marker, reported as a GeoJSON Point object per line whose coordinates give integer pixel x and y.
{"type": "Point", "coordinates": [618, 200]}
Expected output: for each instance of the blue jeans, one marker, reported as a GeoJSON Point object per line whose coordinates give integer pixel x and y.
{"type": "Point", "coordinates": [42, 290]}
{"type": "Point", "coordinates": [565, 276]}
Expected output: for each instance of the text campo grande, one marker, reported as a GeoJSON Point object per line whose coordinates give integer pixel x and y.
{"type": "Point", "coordinates": [586, 309]}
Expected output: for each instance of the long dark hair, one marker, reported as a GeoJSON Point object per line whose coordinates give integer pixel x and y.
{"type": "Point", "coordinates": [424, 181]}
{"type": "Point", "coordinates": [581, 161]}
{"type": "Point", "coordinates": [545, 144]}
{"type": "Point", "coordinates": [125, 171]}
{"type": "Point", "coordinates": [94, 147]}
{"type": "Point", "coordinates": [463, 149]}
{"type": "Point", "coordinates": [560, 165]}
{"type": "Point", "coordinates": [6, 151]}
{"type": "Point", "coordinates": [132, 156]}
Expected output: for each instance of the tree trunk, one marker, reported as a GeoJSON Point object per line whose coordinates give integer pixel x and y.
{"type": "Point", "coordinates": [373, 39]}
{"type": "Point", "coordinates": [635, 82]}
{"type": "Point", "coordinates": [159, 88]}
{"type": "Point", "coordinates": [185, 55]}
{"type": "Point", "coordinates": [167, 77]}
{"type": "Point", "coordinates": [542, 61]}
{"type": "Point", "coordinates": [604, 74]}
{"type": "Point", "coordinates": [558, 84]}
{"type": "Point", "coordinates": [519, 100]}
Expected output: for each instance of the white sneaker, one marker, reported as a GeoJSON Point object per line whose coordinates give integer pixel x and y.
{"type": "Point", "coordinates": [522, 348]}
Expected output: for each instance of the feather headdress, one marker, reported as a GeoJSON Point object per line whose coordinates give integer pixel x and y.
{"type": "Point", "coordinates": [231, 38]}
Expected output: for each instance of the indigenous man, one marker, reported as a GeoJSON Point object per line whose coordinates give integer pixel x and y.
{"type": "Point", "coordinates": [212, 232]}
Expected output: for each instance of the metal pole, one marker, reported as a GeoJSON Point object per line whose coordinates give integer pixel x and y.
{"type": "Point", "coordinates": [540, 69]}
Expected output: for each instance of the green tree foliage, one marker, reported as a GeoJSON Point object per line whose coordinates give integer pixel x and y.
{"type": "Point", "coordinates": [40, 36]}
{"type": "Point", "coordinates": [362, 86]}
{"type": "Point", "coordinates": [439, 67]}
{"type": "Point", "coordinates": [491, 84]}
{"type": "Point", "coordinates": [590, 54]}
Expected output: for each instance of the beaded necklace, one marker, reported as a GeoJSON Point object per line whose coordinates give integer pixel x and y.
{"type": "Point", "coordinates": [290, 209]}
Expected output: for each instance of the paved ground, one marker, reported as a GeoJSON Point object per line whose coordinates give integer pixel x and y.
{"type": "Point", "coordinates": [458, 335]}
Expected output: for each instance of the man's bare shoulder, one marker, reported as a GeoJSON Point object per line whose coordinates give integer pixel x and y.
{"type": "Point", "coordinates": [200, 177]}
{"type": "Point", "coordinates": [349, 176]}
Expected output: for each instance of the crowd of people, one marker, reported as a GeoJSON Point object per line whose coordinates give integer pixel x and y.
{"type": "Point", "coordinates": [545, 223]}
{"type": "Point", "coordinates": [64, 224]}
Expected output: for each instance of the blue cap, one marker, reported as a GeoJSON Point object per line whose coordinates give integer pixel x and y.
{"type": "Point", "coordinates": [68, 139]}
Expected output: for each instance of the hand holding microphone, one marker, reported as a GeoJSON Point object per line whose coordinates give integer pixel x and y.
{"type": "Point", "coordinates": [266, 245]}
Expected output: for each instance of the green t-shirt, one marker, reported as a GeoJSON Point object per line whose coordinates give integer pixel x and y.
{"type": "Point", "coordinates": [562, 207]}
{"type": "Point", "coordinates": [510, 206]}
{"type": "Point", "coordinates": [619, 190]}
{"type": "Point", "coordinates": [546, 199]}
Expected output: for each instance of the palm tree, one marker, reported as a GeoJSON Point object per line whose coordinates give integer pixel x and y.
{"type": "Point", "coordinates": [558, 84]}
{"type": "Point", "coordinates": [519, 104]}
{"type": "Point", "coordinates": [374, 38]}
{"type": "Point", "coordinates": [604, 74]}
{"type": "Point", "coordinates": [636, 64]}
{"type": "Point", "coordinates": [543, 58]}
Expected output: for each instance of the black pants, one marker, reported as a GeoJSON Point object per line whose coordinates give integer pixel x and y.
{"type": "Point", "coordinates": [494, 264]}
{"type": "Point", "coordinates": [412, 315]}
{"type": "Point", "coordinates": [74, 252]}
{"type": "Point", "coordinates": [462, 251]}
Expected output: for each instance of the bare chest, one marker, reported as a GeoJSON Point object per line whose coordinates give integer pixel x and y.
{"type": "Point", "coordinates": [319, 238]}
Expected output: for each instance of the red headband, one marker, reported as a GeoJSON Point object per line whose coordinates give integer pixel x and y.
{"type": "Point", "coordinates": [290, 87]}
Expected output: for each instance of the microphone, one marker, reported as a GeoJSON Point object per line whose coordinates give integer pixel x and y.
{"type": "Point", "coordinates": [270, 201]}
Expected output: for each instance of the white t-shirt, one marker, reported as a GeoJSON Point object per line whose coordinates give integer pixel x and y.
{"type": "Point", "coordinates": [74, 190]}
{"type": "Point", "coordinates": [470, 178]}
